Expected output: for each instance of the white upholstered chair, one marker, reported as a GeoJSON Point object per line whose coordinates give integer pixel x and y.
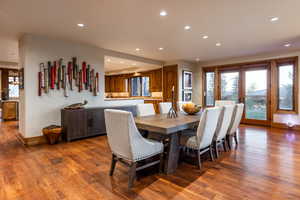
{"type": "Point", "coordinates": [126, 143]}
{"type": "Point", "coordinates": [202, 141]}
{"type": "Point", "coordinates": [236, 120]}
{"type": "Point", "coordinates": [224, 124]}
{"type": "Point", "coordinates": [224, 103]}
{"type": "Point", "coordinates": [146, 109]}
{"type": "Point", "coordinates": [164, 107]}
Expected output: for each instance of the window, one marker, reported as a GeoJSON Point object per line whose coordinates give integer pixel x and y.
{"type": "Point", "coordinates": [140, 86]}
{"type": "Point", "coordinates": [286, 87]}
{"type": "Point", "coordinates": [13, 87]}
{"type": "Point", "coordinates": [230, 86]}
{"type": "Point", "coordinates": [209, 88]}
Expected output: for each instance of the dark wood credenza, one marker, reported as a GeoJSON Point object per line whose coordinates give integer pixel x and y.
{"type": "Point", "coordinates": [87, 122]}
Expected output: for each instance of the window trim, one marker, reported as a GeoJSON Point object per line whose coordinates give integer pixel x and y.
{"type": "Point", "coordinates": [279, 63]}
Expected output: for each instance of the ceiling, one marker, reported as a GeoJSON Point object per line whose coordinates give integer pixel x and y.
{"type": "Point", "coordinates": [242, 27]}
{"type": "Point", "coordinates": [114, 65]}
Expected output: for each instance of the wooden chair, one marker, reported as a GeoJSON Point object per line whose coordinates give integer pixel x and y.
{"type": "Point", "coordinates": [202, 141]}
{"type": "Point", "coordinates": [127, 144]}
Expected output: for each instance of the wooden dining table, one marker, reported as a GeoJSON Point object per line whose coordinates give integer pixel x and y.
{"type": "Point", "coordinates": [170, 128]}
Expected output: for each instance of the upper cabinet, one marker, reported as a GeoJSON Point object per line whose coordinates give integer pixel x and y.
{"type": "Point", "coordinates": [116, 83]}
{"type": "Point", "coordinates": [156, 80]}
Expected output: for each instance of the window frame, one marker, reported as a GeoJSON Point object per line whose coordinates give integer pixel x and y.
{"type": "Point", "coordinates": [279, 63]}
{"type": "Point", "coordinates": [141, 88]}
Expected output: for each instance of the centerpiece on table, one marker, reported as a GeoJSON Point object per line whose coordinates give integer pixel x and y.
{"type": "Point", "coordinates": [191, 108]}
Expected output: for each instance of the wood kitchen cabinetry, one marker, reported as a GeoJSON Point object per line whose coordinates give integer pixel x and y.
{"type": "Point", "coordinates": [116, 83]}
{"type": "Point", "coordinates": [156, 80]}
{"type": "Point", "coordinates": [120, 83]}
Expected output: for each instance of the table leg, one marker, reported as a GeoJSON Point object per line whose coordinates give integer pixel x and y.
{"type": "Point", "coordinates": [171, 162]}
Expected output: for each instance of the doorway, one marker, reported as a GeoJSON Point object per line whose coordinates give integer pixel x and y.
{"type": "Point", "coordinates": [248, 85]}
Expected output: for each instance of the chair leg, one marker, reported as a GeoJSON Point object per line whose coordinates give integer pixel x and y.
{"type": "Point", "coordinates": [199, 159]}
{"type": "Point", "coordinates": [224, 145]}
{"type": "Point", "coordinates": [228, 139]}
{"type": "Point", "coordinates": [161, 164]}
{"type": "Point", "coordinates": [216, 149]}
{"type": "Point", "coordinates": [236, 139]}
{"type": "Point", "coordinates": [211, 153]}
{"type": "Point", "coordinates": [113, 164]}
{"type": "Point", "coordinates": [132, 174]}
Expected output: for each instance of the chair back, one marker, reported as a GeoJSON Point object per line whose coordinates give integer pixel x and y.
{"type": "Point", "coordinates": [121, 132]}
{"type": "Point", "coordinates": [146, 109]}
{"type": "Point", "coordinates": [224, 102]}
{"type": "Point", "coordinates": [236, 120]}
{"type": "Point", "coordinates": [164, 107]}
{"type": "Point", "coordinates": [207, 126]}
{"type": "Point", "coordinates": [225, 122]}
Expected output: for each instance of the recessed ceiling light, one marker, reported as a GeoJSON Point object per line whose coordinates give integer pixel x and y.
{"type": "Point", "coordinates": [163, 13]}
{"type": "Point", "coordinates": [287, 45]}
{"type": "Point", "coordinates": [187, 27]}
{"type": "Point", "coordinates": [274, 19]}
{"type": "Point", "coordinates": [218, 44]}
{"type": "Point", "coordinates": [205, 37]}
{"type": "Point", "coordinates": [108, 60]}
{"type": "Point", "coordinates": [80, 25]}
{"type": "Point", "coordinates": [197, 59]}
{"type": "Point", "coordinates": [137, 49]}
{"type": "Point", "coordinates": [160, 48]}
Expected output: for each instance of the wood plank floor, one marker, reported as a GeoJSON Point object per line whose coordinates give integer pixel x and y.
{"type": "Point", "coordinates": [266, 165]}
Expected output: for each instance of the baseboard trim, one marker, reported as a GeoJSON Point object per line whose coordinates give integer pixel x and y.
{"type": "Point", "coordinates": [284, 126]}
{"type": "Point", "coordinates": [32, 140]}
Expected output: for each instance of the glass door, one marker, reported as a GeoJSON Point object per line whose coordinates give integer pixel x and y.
{"type": "Point", "coordinates": [229, 85]}
{"type": "Point", "coordinates": [255, 95]}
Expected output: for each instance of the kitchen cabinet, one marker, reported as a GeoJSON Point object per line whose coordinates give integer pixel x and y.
{"type": "Point", "coordinates": [156, 80]}
{"type": "Point", "coordinates": [116, 83]}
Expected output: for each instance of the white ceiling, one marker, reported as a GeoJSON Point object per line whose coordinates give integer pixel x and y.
{"type": "Point", "coordinates": [242, 26]}
{"type": "Point", "coordinates": [114, 65]}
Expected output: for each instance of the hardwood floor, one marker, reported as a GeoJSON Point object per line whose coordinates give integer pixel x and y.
{"type": "Point", "coordinates": [266, 165]}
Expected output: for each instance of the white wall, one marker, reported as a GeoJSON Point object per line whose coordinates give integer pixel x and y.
{"type": "Point", "coordinates": [37, 112]}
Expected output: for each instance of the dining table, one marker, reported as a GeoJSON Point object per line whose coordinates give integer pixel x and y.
{"type": "Point", "coordinates": [170, 129]}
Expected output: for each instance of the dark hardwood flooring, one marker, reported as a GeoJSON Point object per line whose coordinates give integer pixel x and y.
{"type": "Point", "coordinates": [266, 165]}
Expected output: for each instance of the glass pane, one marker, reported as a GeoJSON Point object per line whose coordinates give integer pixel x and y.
{"type": "Point", "coordinates": [135, 86]}
{"type": "Point", "coordinates": [210, 85]}
{"type": "Point", "coordinates": [230, 86]}
{"type": "Point", "coordinates": [286, 74]}
{"type": "Point", "coordinates": [256, 95]}
{"type": "Point", "coordinates": [145, 86]}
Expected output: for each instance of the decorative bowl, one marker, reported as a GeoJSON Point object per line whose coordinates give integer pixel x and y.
{"type": "Point", "coordinates": [191, 108]}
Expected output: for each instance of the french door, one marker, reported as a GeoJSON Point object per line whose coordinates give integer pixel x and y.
{"type": "Point", "coordinates": [249, 85]}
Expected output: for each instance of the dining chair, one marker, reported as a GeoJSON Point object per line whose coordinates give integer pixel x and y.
{"type": "Point", "coordinates": [224, 102]}
{"type": "Point", "coordinates": [145, 109]}
{"type": "Point", "coordinates": [202, 141]}
{"type": "Point", "coordinates": [127, 145]}
{"type": "Point", "coordinates": [223, 127]}
{"type": "Point", "coordinates": [236, 120]}
{"type": "Point", "coordinates": [164, 107]}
